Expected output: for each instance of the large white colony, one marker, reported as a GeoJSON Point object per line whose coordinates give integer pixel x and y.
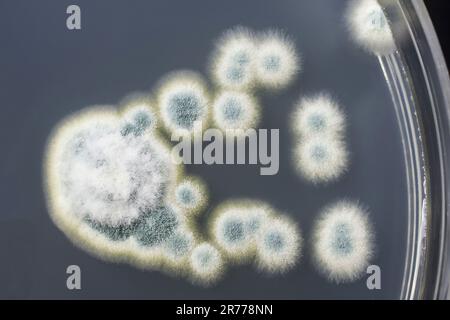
{"type": "Point", "coordinates": [104, 175]}
{"type": "Point", "coordinates": [114, 190]}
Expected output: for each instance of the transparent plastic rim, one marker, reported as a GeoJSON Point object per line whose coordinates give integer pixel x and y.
{"type": "Point", "coordinates": [420, 86]}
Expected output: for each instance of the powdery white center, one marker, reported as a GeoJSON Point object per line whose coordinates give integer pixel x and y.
{"type": "Point", "coordinates": [108, 177]}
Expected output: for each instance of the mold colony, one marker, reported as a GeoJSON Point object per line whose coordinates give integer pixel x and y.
{"type": "Point", "coordinates": [113, 188]}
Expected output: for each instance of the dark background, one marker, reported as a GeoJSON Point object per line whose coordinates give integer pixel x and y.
{"type": "Point", "coordinates": [440, 15]}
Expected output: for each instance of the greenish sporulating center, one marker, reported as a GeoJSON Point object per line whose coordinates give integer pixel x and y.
{"type": "Point", "coordinates": [186, 196]}
{"type": "Point", "coordinates": [317, 122]}
{"type": "Point", "coordinates": [232, 110]}
{"type": "Point", "coordinates": [178, 244]}
{"type": "Point", "coordinates": [156, 226]}
{"type": "Point", "coordinates": [319, 153]}
{"type": "Point", "coordinates": [274, 241]}
{"type": "Point", "coordinates": [204, 258]}
{"type": "Point", "coordinates": [184, 109]}
{"type": "Point", "coordinates": [342, 243]}
{"type": "Point", "coordinates": [272, 63]}
{"type": "Point", "coordinates": [233, 230]}
{"type": "Point", "coordinates": [141, 122]}
{"type": "Point", "coordinates": [377, 20]}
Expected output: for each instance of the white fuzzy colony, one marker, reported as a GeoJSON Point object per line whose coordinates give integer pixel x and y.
{"type": "Point", "coordinates": [183, 100]}
{"type": "Point", "coordinates": [190, 195]}
{"type": "Point", "coordinates": [277, 62]}
{"type": "Point", "coordinates": [370, 27]}
{"type": "Point", "coordinates": [252, 230]}
{"type": "Point", "coordinates": [343, 242]}
{"type": "Point", "coordinates": [230, 234]}
{"type": "Point", "coordinates": [206, 262]}
{"type": "Point", "coordinates": [138, 118]}
{"type": "Point", "coordinates": [321, 160]}
{"type": "Point", "coordinates": [320, 152]}
{"type": "Point", "coordinates": [244, 60]}
{"type": "Point", "coordinates": [318, 116]}
{"type": "Point", "coordinates": [235, 110]}
{"type": "Point", "coordinates": [232, 66]}
{"type": "Point", "coordinates": [278, 246]}
{"type": "Point", "coordinates": [106, 176]}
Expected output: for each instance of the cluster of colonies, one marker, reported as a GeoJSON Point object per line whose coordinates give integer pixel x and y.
{"type": "Point", "coordinates": [320, 153]}
{"type": "Point", "coordinates": [249, 230]}
{"type": "Point", "coordinates": [342, 240]}
{"type": "Point", "coordinates": [242, 62]}
{"type": "Point", "coordinates": [113, 187]}
{"type": "Point", "coordinates": [110, 177]}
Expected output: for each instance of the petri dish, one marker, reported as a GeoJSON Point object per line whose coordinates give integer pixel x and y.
{"type": "Point", "coordinates": [396, 133]}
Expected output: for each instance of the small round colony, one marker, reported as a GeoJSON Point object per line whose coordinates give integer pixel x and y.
{"type": "Point", "coordinates": [96, 173]}
{"type": "Point", "coordinates": [235, 110]}
{"type": "Point", "coordinates": [321, 160]}
{"type": "Point", "coordinates": [318, 116]}
{"type": "Point", "coordinates": [278, 246]}
{"type": "Point", "coordinates": [183, 101]}
{"type": "Point", "coordinates": [229, 232]}
{"type": "Point", "coordinates": [343, 242]}
{"type": "Point", "coordinates": [277, 62]}
{"type": "Point", "coordinates": [370, 28]}
{"type": "Point", "coordinates": [190, 195]}
{"type": "Point", "coordinates": [232, 66]}
{"type": "Point", "coordinates": [138, 118]}
{"type": "Point", "coordinates": [206, 263]}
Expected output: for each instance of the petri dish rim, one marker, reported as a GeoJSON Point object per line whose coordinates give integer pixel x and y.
{"type": "Point", "coordinates": [418, 79]}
